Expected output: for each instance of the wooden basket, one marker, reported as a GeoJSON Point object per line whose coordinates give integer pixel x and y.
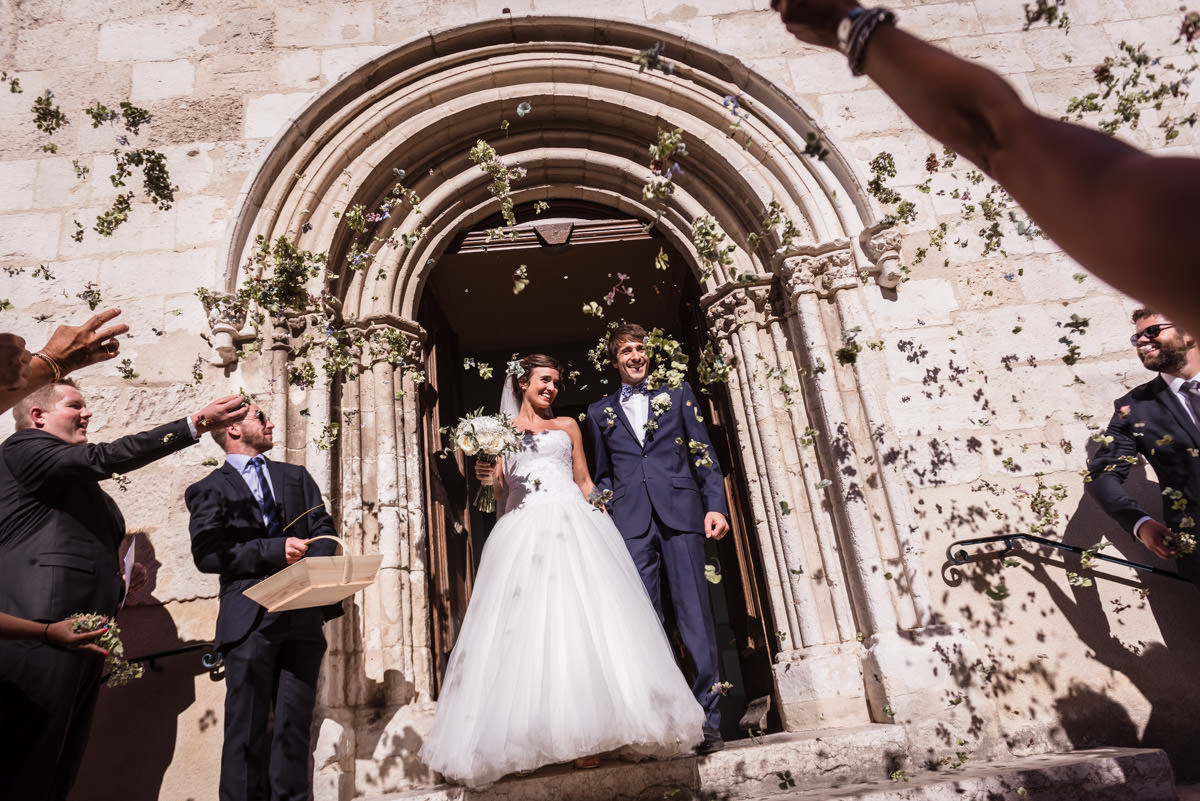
{"type": "Point", "coordinates": [316, 580]}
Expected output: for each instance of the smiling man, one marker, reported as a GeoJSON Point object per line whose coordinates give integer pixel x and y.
{"type": "Point", "coordinates": [1157, 420]}
{"type": "Point", "coordinates": [59, 540]}
{"type": "Point", "coordinates": [652, 450]}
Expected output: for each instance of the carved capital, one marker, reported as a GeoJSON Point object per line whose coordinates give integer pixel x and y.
{"type": "Point", "coordinates": [743, 306]}
{"type": "Point", "coordinates": [819, 273]}
{"type": "Point", "coordinates": [882, 246]}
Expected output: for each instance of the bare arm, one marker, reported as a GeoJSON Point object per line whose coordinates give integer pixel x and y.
{"type": "Point", "coordinates": [70, 347]}
{"type": "Point", "coordinates": [1114, 209]}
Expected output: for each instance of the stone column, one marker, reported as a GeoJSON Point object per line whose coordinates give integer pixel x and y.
{"type": "Point", "coordinates": [913, 672]}
{"type": "Point", "coordinates": [817, 676]}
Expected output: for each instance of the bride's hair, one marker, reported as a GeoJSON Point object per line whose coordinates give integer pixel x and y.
{"type": "Point", "coordinates": [528, 363]}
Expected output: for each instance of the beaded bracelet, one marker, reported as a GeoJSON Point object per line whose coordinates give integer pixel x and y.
{"type": "Point", "coordinates": [862, 25]}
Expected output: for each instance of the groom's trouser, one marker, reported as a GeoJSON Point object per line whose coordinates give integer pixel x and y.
{"type": "Point", "coordinates": [678, 557]}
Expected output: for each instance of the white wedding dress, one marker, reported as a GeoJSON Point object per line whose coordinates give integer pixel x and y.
{"type": "Point", "coordinates": [560, 654]}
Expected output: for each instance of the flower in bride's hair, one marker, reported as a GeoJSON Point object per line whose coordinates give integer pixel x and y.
{"type": "Point", "coordinates": [514, 367]}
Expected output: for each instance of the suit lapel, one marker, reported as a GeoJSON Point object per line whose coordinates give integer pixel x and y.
{"type": "Point", "coordinates": [239, 490]}
{"type": "Point", "coordinates": [614, 400]}
{"type": "Point", "coordinates": [1166, 397]}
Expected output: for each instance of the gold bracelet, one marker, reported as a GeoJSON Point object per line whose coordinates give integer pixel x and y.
{"type": "Point", "coordinates": [56, 372]}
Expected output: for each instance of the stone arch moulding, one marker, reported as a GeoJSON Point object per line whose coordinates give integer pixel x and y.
{"type": "Point", "coordinates": [416, 112]}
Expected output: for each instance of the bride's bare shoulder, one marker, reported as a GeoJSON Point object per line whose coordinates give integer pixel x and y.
{"type": "Point", "coordinates": [567, 424]}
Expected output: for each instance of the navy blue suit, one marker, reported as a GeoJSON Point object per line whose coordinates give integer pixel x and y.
{"type": "Point", "coordinates": [271, 659]}
{"type": "Point", "coordinates": [1149, 421]}
{"type": "Point", "coordinates": [660, 498]}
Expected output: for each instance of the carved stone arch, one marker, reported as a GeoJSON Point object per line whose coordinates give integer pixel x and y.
{"type": "Point", "coordinates": [416, 111]}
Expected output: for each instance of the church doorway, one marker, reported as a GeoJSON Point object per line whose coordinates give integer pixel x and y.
{"type": "Point", "coordinates": [571, 255]}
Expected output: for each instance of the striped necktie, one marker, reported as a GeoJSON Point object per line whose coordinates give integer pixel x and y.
{"type": "Point", "coordinates": [270, 511]}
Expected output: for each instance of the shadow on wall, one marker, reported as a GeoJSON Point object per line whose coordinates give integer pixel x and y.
{"type": "Point", "coordinates": [1161, 671]}
{"type": "Point", "coordinates": [133, 736]}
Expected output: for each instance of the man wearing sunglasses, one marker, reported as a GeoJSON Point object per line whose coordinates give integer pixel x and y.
{"type": "Point", "coordinates": [1158, 421]}
{"type": "Point", "coordinates": [250, 518]}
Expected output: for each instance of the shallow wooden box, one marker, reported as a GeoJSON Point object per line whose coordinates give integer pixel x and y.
{"type": "Point", "coordinates": [315, 581]}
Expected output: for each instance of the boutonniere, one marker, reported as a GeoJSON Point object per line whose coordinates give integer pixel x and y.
{"type": "Point", "coordinates": [611, 414]}
{"type": "Point", "coordinates": [661, 404]}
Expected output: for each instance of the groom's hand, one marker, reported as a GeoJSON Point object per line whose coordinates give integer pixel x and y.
{"type": "Point", "coordinates": [715, 525]}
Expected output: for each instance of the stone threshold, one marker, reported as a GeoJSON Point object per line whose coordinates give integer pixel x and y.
{"type": "Point", "coordinates": [843, 763]}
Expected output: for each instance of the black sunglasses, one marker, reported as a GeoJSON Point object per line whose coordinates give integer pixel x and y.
{"type": "Point", "coordinates": [261, 416]}
{"type": "Point", "coordinates": [1150, 332]}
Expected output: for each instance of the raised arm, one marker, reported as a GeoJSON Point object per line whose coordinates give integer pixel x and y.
{"type": "Point", "coordinates": [1116, 210]}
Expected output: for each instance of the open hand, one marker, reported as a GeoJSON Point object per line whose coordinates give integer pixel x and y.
{"type": "Point", "coordinates": [60, 634]}
{"type": "Point", "coordinates": [75, 346]}
{"type": "Point", "coordinates": [221, 413]}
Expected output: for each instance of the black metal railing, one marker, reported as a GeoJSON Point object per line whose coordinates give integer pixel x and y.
{"type": "Point", "coordinates": [961, 557]}
{"type": "Point", "coordinates": [210, 660]}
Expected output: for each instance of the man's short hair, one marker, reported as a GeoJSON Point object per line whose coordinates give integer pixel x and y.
{"type": "Point", "coordinates": [623, 333]}
{"type": "Point", "coordinates": [1142, 313]}
{"type": "Point", "coordinates": [44, 397]}
{"type": "Point", "coordinates": [220, 436]}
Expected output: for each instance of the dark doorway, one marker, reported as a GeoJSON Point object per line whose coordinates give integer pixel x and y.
{"type": "Point", "coordinates": [572, 256]}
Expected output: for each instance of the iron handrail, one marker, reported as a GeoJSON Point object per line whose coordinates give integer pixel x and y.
{"type": "Point", "coordinates": [961, 557]}
{"type": "Point", "coordinates": [209, 660]}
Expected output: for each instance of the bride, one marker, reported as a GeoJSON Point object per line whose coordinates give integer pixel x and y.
{"type": "Point", "coordinates": [561, 656]}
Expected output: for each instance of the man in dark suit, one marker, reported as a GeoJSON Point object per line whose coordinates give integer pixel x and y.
{"type": "Point", "coordinates": [251, 518]}
{"type": "Point", "coordinates": [651, 449]}
{"type": "Point", "coordinates": [59, 540]}
{"type": "Point", "coordinates": [1157, 420]}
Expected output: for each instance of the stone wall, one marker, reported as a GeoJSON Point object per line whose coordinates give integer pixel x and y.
{"type": "Point", "coordinates": [959, 398]}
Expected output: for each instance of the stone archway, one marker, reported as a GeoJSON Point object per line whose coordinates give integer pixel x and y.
{"type": "Point", "coordinates": [419, 109]}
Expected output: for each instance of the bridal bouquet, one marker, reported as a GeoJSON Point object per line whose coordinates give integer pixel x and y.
{"type": "Point", "coordinates": [486, 437]}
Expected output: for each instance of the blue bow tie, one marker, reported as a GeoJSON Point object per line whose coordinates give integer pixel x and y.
{"type": "Point", "coordinates": [627, 390]}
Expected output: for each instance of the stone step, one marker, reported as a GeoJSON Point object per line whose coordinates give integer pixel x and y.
{"type": "Point", "coordinates": [843, 763]}
{"type": "Point", "coordinates": [1100, 774]}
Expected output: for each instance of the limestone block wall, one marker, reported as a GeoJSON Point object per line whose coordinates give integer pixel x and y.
{"type": "Point", "coordinates": [959, 398]}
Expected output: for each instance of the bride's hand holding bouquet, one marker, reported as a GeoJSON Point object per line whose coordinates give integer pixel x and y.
{"type": "Point", "coordinates": [487, 438]}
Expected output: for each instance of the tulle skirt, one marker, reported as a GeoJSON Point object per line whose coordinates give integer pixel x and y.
{"type": "Point", "coordinates": [560, 656]}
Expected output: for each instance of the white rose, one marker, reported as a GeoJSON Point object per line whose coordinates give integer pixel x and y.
{"type": "Point", "coordinates": [466, 443]}
{"type": "Point", "coordinates": [491, 442]}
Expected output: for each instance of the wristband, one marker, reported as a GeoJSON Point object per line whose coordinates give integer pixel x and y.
{"type": "Point", "coordinates": [56, 372]}
{"type": "Point", "coordinates": [861, 27]}
{"type": "Point", "coordinates": [843, 28]}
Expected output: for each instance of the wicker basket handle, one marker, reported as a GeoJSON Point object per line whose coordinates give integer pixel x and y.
{"type": "Point", "coordinates": [346, 556]}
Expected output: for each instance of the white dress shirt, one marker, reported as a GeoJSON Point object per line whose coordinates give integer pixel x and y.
{"type": "Point", "coordinates": [637, 409]}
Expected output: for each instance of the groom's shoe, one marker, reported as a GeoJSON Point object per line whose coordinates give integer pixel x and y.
{"type": "Point", "coordinates": [711, 743]}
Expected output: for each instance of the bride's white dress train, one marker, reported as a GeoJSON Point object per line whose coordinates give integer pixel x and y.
{"type": "Point", "coordinates": [560, 654]}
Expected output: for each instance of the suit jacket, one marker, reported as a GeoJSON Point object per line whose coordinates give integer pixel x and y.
{"type": "Point", "coordinates": [230, 538]}
{"type": "Point", "coordinates": [1149, 421]}
{"type": "Point", "coordinates": [660, 475]}
{"type": "Point", "coordinates": [59, 532]}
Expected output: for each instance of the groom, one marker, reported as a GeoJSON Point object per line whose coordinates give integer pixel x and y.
{"type": "Point", "coordinates": [651, 450]}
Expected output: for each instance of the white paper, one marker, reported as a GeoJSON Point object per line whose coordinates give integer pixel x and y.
{"type": "Point", "coordinates": [129, 562]}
